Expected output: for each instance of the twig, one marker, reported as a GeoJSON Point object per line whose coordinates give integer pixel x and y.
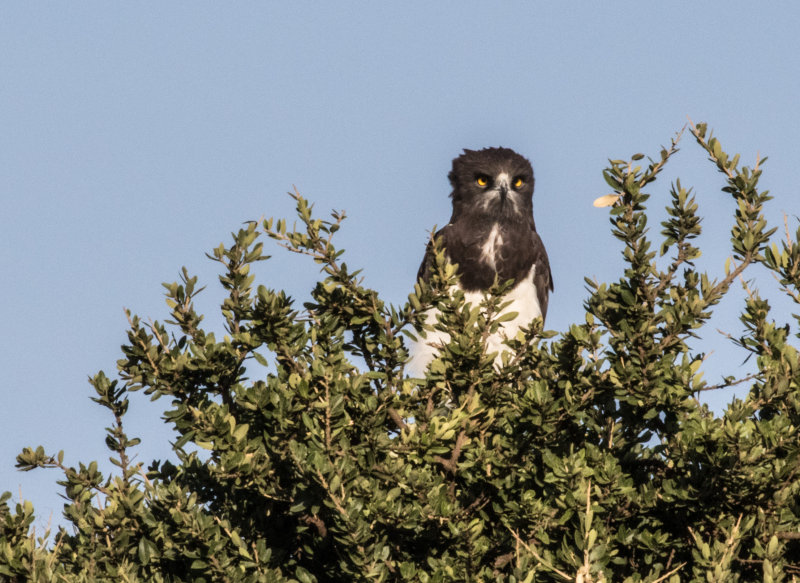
{"type": "Point", "coordinates": [327, 415]}
{"type": "Point", "coordinates": [657, 168]}
{"type": "Point", "coordinates": [395, 416]}
{"type": "Point", "coordinates": [538, 556]}
{"type": "Point", "coordinates": [727, 384]}
{"type": "Point", "coordinates": [334, 499]}
{"type": "Point", "coordinates": [675, 570]}
{"type": "Point", "coordinates": [585, 570]}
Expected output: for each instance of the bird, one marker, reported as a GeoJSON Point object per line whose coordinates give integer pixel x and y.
{"type": "Point", "coordinates": [491, 237]}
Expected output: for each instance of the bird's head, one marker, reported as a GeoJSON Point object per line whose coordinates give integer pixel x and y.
{"type": "Point", "coordinates": [495, 182]}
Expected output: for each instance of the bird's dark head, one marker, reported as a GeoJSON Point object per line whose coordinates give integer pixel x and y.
{"type": "Point", "coordinates": [495, 182]}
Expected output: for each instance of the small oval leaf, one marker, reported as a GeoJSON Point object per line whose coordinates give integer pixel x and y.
{"type": "Point", "coordinates": [606, 200]}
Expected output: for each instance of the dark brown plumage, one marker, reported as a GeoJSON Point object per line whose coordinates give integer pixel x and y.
{"type": "Point", "coordinates": [492, 233]}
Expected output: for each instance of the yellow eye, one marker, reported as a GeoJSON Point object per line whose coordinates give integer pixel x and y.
{"type": "Point", "coordinates": [518, 182]}
{"type": "Point", "coordinates": [482, 180]}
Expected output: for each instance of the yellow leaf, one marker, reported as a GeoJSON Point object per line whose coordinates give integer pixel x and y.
{"type": "Point", "coordinates": [606, 200]}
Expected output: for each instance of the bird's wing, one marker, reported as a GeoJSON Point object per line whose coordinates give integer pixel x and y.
{"type": "Point", "coordinates": [542, 278]}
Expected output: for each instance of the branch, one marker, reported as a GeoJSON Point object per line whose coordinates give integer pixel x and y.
{"type": "Point", "coordinates": [726, 384]}
{"type": "Point", "coordinates": [395, 416]}
{"type": "Point", "coordinates": [451, 465]}
{"type": "Point", "coordinates": [317, 522]}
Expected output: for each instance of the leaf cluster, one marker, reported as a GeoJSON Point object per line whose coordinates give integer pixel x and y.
{"type": "Point", "coordinates": [305, 454]}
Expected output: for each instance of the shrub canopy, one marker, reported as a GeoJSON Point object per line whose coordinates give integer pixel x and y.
{"type": "Point", "coordinates": [305, 454]}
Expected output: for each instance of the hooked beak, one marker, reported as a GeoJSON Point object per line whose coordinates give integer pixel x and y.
{"type": "Point", "coordinates": [502, 187]}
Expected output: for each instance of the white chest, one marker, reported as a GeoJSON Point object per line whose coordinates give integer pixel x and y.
{"type": "Point", "coordinates": [524, 301]}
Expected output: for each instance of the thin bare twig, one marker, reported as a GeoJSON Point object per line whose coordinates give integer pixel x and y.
{"type": "Point", "coordinates": [538, 557]}
{"type": "Point", "coordinates": [727, 384]}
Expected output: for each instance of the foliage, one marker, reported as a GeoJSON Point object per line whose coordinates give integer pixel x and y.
{"type": "Point", "coordinates": [587, 457]}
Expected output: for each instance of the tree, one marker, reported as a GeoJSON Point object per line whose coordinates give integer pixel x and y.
{"type": "Point", "coordinates": [587, 457]}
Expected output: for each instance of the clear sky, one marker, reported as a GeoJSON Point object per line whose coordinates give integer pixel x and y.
{"type": "Point", "coordinates": [134, 137]}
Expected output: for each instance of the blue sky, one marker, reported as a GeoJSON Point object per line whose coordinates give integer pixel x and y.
{"type": "Point", "coordinates": [137, 136]}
